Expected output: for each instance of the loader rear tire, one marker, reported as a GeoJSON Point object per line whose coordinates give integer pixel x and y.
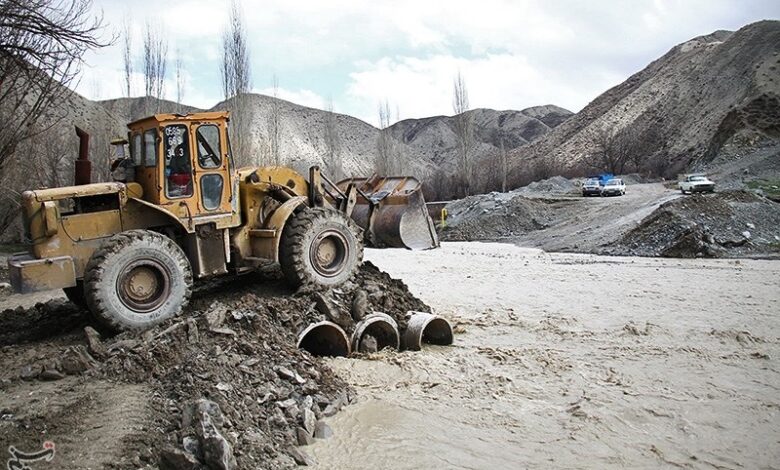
{"type": "Point", "coordinates": [320, 248]}
{"type": "Point", "coordinates": [137, 279]}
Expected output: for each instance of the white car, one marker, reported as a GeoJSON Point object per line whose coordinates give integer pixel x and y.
{"type": "Point", "coordinates": [591, 187]}
{"type": "Point", "coordinates": [696, 184]}
{"type": "Point", "coordinates": [615, 186]}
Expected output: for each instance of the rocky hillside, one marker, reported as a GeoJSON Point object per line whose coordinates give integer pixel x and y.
{"type": "Point", "coordinates": [422, 143]}
{"type": "Point", "coordinates": [435, 137]}
{"type": "Point", "coordinates": [712, 94]}
{"type": "Point", "coordinates": [130, 109]}
{"type": "Point", "coordinates": [302, 133]}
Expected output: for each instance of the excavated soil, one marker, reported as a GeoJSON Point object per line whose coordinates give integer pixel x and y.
{"type": "Point", "coordinates": [652, 219]}
{"type": "Point", "coordinates": [727, 224]}
{"type": "Point", "coordinates": [136, 400]}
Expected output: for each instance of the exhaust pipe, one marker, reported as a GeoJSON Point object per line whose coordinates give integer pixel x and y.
{"type": "Point", "coordinates": [324, 339]}
{"type": "Point", "coordinates": [83, 173]}
{"type": "Point", "coordinates": [380, 326]}
{"type": "Point", "coordinates": [426, 328]}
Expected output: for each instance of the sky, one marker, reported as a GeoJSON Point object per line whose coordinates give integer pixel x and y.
{"type": "Point", "coordinates": [357, 54]}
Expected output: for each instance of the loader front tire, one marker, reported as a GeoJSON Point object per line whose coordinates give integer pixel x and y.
{"type": "Point", "coordinates": [137, 279]}
{"type": "Point", "coordinates": [320, 248]}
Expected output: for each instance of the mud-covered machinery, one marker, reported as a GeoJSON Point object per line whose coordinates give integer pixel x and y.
{"type": "Point", "coordinates": [179, 210]}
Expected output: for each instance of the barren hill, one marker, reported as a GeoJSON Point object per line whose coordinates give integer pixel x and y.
{"type": "Point", "coordinates": [435, 137]}
{"type": "Point", "coordinates": [302, 133]}
{"type": "Point", "coordinates": [130, 109]}
{"type": "Point", "coordinates": [706, 96]}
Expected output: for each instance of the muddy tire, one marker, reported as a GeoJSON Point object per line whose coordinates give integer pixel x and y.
{"type": "Point", "coordinates": [75, 294]}
{"type": "Point", "coordinates": [137, 279]}
{"type": "Point", "coordinates": [320, 248]}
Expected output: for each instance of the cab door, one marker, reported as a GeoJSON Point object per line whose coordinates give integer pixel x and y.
{"type": "Point", "coordinates": [212, 172]}
{"type": "Point", "coordinates": [177, 176]}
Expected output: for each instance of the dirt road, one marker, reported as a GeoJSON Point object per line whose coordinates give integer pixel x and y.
{"type": "Point", "coordinates": [572, 361]}
{"type": "Point", "coordinates": [585, 224]}
{"type": "Point", "coordinates": [554, 220]}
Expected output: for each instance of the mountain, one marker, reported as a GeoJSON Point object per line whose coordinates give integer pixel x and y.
{"type": "Point", "coordinates": [423, 144]}
{"type": "Point", "coordinates": [435, 138]}
{"type": "Point", "coordinates": [713, 94]}
{"type": "Point", "coordinates": [302, 133]}
{"type": "Point", "coordinates": [131, 109]}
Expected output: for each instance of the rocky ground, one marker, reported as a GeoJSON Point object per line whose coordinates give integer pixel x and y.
{"type": "Point", "coordinates": [653, 219]}
{"type": "Point", "coordinates": [727, 224]}
{"type": "Point", "coordinates": [223, 386]}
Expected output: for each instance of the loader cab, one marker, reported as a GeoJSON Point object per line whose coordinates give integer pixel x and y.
{"type": "Point", "coordinates": [184, 165]}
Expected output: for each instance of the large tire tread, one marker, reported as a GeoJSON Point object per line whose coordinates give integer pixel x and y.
{"type": "Point", "coordinates": [292, 256]}
{"type": "Point", "coordinates": [95, 270]}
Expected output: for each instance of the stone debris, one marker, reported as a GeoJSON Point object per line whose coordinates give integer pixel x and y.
{"type": "Point", "coordinates": [229, 384]}
{"type": "Point", "coordinates": [705, 225]}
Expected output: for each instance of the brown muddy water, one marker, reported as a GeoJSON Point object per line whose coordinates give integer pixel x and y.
{"type": "Point", "coordinates": [571, 361]}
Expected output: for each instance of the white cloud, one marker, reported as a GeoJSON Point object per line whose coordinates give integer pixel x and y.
{"type": "Point", "coordinates": [421, 87]}
{"type": "Point", "coordinates": [514, 53]}
{"type": "Point", "coordinates": [301, 97]}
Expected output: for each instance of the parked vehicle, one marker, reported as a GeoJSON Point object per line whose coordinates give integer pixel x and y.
{"type": "Point", "coordinates": [591, 187]}
{"type": "Point", "coordinates": [614, 187]}
{"type": "Point", "coordinates": [696, 183]}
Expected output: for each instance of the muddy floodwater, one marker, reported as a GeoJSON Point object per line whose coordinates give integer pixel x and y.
{"type": "Point", "coordinates": [571, 361]}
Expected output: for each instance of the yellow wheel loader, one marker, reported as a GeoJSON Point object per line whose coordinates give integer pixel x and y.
{"type": "Point", "coordinates": [178, 211]}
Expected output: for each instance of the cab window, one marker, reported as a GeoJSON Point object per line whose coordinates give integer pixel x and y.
{"type": "Point", "coordinates": [150, 148]}
{"type": "Point", "coordinates": [135, 149]}
{"type": "Point", "coordinates": [211, 190]}
{"type": "Point", "coordinates": [178, 170]}
{"type": "Point", "coordinates": [207, 137]}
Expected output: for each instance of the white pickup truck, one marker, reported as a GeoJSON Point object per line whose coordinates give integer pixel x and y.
{"type": "Point", "coordinates": [696, 184]}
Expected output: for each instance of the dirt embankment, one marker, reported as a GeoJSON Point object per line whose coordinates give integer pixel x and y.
{"type": "Point", "coordinates": [222, 386]}
{"type": "Point", "coordinates": [727, 224]}
{"type": "Point", "coordinates": [652, 219]}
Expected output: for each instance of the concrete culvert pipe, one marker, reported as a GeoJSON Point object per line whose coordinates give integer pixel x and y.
{"type": "Point", "coordinates": [324, 339]}
{"type": "Point", "coordinates": [426, 328]}
{"type": "Point", "coordinates": [381, 327]}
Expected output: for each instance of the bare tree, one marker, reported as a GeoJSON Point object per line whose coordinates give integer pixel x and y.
{"type": "Point", "coordinates": [612, 150]}
{"type": "Point", "coordinates": [155, 61]}
{"type": "Point", "coordinates": [464, 130]}
{"type": "Point", "coordinates": [503, 163]}
{"type": "Point", "coordinates": [42, 43]}
{"type": "Point", "coordinates": [180, 79]}
{"type": "Point", "coordinates": [274, 124]}
{"type": "Point", "coordinates": [235, 55]}
{"type": "Point", "coordinates": [333, 159]}
{"type": "Point", "coordinates": [236, 82]}
{"type": "Point", "coordinates": [387, 160]}
{"type": "Point", "coordinates": [127, 56]}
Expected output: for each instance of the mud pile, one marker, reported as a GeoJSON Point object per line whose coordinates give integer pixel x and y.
{"type": "Point", "coordinates": [551, 186]}
{"type": "Point", "coordinates": [493, 216]}
{"type": "Point", "coordinates": [725, 224]}
{"type": "Point", "coordinates": [230, 389]}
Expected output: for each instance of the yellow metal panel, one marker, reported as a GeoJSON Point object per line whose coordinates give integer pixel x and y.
{"type": "Point", "coordinates": [268, 248]}
{"type": "Point", "coordinates": [28, 274]}
{"type": "Point", "coordinates": [66, 192]}
{"type": "Point", "coordinates": [50, 217]}
{"type": "Point", "coordinates": [92, 225]}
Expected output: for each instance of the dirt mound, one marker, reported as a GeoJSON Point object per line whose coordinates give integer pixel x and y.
{"type": "Point", "coordinates": [229, 388]}
{"type": "Point", "coordinates": [726, 224]}
{"type": "Point", "coordinates": [554, 185]}
{"type": "Point", "coordinates": [493, 216]}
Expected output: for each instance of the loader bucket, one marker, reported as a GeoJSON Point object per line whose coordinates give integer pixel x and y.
{"type": "Point", "coordinates": [392, 212]}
